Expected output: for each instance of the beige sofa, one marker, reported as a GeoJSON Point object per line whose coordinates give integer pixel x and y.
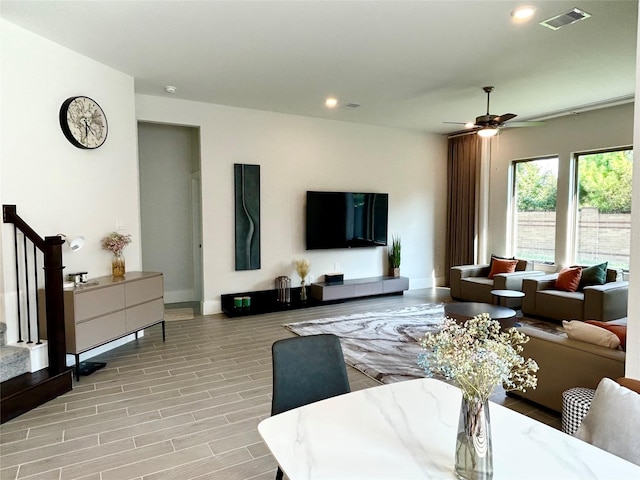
{"type": "Point", "coordinates": [597, 302]}
{"type": "Point", "coordinates": [566, 363]}
{"type": "Point", "coordinates": [471, 283]}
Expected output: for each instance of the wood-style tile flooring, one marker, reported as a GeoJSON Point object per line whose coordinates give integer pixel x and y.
{"type": "Point", "coordinates": [184, 409]}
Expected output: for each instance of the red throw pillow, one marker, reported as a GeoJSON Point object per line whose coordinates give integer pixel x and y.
{"type": "Point", "coordinates": [569, 279]}
{"type": "Point", "coordinates": [619, 330]}
{"type": "Point", "coordinates": [502, 266]}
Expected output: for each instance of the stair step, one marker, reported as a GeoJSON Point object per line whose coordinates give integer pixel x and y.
{"type": "Point", "coordinates": [14, 361]}
{"type": "Point", "coordinates": [30, 390]}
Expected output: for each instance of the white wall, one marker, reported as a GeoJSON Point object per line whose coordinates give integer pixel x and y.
{"type": "Point", "coordinates": [297, 154]}
{"type": "Point", "coordinates": [632, 367]}
{"type": "Point", "coordinates": [57, 187]}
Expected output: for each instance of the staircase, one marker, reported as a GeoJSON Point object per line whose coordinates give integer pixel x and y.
{"type": "Point", "coordinates": [38, 301]}
{"type": "Point", "coordinates": [13, 360]}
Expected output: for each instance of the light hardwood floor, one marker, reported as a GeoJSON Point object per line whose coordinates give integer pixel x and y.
{"type": "Point", "coordinates": [184, 409]}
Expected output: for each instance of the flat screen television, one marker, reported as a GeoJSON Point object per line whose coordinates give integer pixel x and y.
{"type": "Point", "coordinates": [346, 219]}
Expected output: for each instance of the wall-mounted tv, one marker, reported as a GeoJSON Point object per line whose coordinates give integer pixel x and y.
{"type": "Point", "coordinates": [346, 219]}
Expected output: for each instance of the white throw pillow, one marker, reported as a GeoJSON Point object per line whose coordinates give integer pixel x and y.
{"type": "Point", "coordinates": [613, 421]}
{"type": "Point", "coordinates": [586, 332]}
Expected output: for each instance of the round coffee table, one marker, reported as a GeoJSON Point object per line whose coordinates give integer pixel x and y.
{"type": "Point", "coordinates": [499, 294]}
{"type": "Point", "coordinates": [463, 311]}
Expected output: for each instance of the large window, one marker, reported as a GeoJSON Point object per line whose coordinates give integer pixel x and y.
{"type": "Point", "coordinates": [534, 208]}
{"type": "Point", "coordinates": [603, 219]}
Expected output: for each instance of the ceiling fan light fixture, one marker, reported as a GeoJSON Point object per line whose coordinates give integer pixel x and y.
{"type": "Point", "coordinates": [487, 132]}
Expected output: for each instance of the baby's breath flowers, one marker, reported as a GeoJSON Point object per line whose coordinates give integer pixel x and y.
{"type": "Point", "coordinates": [303, 267]}
{"type": "Point", "coordinates": [478, 356]}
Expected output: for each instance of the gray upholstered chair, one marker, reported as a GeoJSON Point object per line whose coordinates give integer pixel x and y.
{"type": "Point", "coordinates": [471, 283]}
{"type": "Point", "coordinates": [306, 370]}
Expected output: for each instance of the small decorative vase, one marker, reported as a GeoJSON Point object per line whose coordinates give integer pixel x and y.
{"type": "Point", "coordinates": [394, 272]}
{"type": "Point", "coordinates": [117, 265]}
{"type": "Point", "coordinates": [303, 291]}
{"type": "Point", "coordinates": [474, 455]}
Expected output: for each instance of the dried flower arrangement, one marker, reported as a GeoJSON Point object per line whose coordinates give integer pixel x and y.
{"type": "Point", "coordinates": [115, 242]}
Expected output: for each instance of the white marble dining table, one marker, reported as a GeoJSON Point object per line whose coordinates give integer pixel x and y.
{"type": "Point", "coordinates": [407, 430]}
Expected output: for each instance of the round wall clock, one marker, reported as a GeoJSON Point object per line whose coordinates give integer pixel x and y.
{"type": "Point", "coordinates": [83, 122]}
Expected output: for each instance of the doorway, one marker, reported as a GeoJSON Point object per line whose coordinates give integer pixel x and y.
{"type": "Point", "coordinates": [170, 210]}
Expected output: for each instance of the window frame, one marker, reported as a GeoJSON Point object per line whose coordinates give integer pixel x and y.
{"type": "Point", "coordinates": [514, 204]}
{"type": "Point", "coordinates": [575, 200]}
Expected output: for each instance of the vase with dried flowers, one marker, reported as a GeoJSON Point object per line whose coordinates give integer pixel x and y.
{"type": "Point", "coordinates": [303, 267]}
{"type": "Point", "coordinates": [478, 356]}
{"type": "Point", "coordinates": [115, 243]}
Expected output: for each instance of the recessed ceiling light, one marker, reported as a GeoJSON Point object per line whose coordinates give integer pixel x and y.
{"type": "Point", "coordinates": [170, 89]}
{"type": "Point", "coordinates": [331, 102]}
{"type": "Point", "coordinates": [522, 14]}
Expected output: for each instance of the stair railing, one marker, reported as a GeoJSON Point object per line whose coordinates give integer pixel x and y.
{"type": "Point", "coordinates": [27, 287]}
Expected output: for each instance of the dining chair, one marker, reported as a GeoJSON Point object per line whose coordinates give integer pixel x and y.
{"type": "Point", "coordinates": [306, 370]}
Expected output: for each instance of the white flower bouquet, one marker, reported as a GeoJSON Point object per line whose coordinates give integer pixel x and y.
{"type": "Point", "coordinates": [478, 356]}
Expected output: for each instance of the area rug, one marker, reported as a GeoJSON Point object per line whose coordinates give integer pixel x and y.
{"type": "Point", "coordinates": [174, 314]}
{"type": "Point", "coordinates": [383, 345]}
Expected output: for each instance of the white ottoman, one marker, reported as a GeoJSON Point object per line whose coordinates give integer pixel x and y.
{"type": "Point", "coordinates": [575, 405]}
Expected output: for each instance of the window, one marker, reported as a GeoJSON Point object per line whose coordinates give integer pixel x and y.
{"type": "Point", "coordinates": [603, 217]}
{"type": "Point", "coordinates": [535, 188]}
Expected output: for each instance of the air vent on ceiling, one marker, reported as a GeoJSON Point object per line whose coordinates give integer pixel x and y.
{"type": "Point", "coordinates": [352, 105]}
{"type": "Point", "coordinates": [564, 19]}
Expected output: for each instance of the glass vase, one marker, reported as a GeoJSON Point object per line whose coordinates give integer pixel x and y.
{"type": "Point", "coordinates": [474, 455]}
{"type": "Point", "coordinates": [117, 265]}
{"type": "Point", "coordinates": [303, 291]}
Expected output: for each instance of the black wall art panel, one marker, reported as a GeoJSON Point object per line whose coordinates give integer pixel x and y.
{"type": "Point", "coordinates": [247, 212]}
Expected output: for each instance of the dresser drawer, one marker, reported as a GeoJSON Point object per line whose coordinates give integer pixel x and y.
{"type": "Point", "coordinates": [92, 333]}
{"type": "Point", "coordinates": [98, 302]}
{"type": "Point", "coordinates": [143, 315]}
{"type": "Point", "coordinates": [143, 290]}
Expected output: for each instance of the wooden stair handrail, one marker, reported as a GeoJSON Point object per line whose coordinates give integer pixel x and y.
{"type": "Point", "coordinates": [51, 248]}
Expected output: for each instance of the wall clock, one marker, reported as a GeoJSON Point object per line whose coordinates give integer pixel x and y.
{"type": "Point", "coordinates": [83, 122]}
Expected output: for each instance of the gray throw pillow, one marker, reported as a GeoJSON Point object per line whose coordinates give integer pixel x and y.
{"type": "Point", "coordinates": [613, 421]}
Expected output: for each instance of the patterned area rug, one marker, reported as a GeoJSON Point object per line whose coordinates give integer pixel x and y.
{"type": "Point", "coordinates": [382, 345]}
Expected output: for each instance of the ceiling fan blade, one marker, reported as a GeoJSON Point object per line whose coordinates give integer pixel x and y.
{"type": "Point", "coordinates": [523, 124]}
{"type": "Point", "coordinates": [505, 117]}
{"type": "Point", "coordinates": [456, 123]}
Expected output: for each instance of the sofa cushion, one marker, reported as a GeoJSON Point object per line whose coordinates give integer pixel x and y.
{"type": "Point", "coordinates": [619, 330]}
{"type": "Point", "coordinates": [499, 258]}
{"type": "Point", "coordinates": [594, 275]}
{"type": "Point", "coordinates": [577, 330]}
{"type": "Point", "coordinates": [569, 279]}
{"type": "Point", "coordinates": [502, 266]}
{"type": "Point", "coordinates": [613, 421]}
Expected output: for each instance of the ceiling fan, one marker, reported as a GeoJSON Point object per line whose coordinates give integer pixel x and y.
{"type": "Point", "coordinates": [487, 125]}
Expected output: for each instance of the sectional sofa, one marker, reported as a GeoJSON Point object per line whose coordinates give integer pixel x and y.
{"type": "Point", "coordinates": [596, 302]}
{"type": "Point", "coordinates": [566, 363]}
